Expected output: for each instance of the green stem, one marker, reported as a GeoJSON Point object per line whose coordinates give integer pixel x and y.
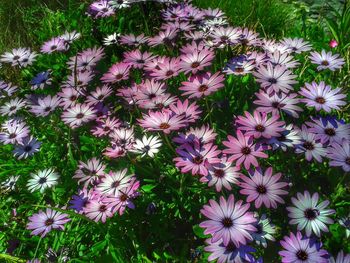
{"type": "Point", "coordinates": [37, 247]}
{"type": "Point", "coordinates": [167, 141]}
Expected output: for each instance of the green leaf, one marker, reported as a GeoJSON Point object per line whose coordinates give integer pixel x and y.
{"type": "Point", "coordinates": [147, 188]}
{"type": "Point", "coordinates": [199, 232]}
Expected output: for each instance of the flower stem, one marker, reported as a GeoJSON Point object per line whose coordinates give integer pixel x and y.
{"type": "Point", "coordinates": [37, 247]}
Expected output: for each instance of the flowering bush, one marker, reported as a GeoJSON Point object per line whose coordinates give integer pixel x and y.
{"type": "Point", "coordinates": [181, 138]}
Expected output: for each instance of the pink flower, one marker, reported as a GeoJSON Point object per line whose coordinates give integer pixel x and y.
{"type": "Point", "coordinates": [196, 61]}
{"type": "Point", "coordinates": [161, 121]}
{"type": "Point", "coordinates": [164, 69]}
{"type": "Point", "coordinates": [197, 157]}
{"type": "Point", "coordinates": [263, 189]}
{"type": "Point", "coordinates": [244, 150]}
{"type": "Point", "coordinates": [118, 72]}
{"type": "Point", "coordinates": [191, 112]}
{"type": "Point", "coordinates": [137, 59]}
{"type": "Point", "coordinates": [202, 85]}
{"type": "Point", "coordinates": [260, 125]}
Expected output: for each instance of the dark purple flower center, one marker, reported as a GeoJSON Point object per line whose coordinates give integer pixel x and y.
{"type": "Point", "coordinates": [28, 148]}
{"type": "Point", "coordinates": [140, 61]}
{"type": "Point", "coordinates": [239, 69]}
{"type": "Point", "coordinates": [246, 150]}
{"type": "Point", "coordinates": [16, 57]}
{"type": "Point", "coordinates": [12, 108]}
{"type": "Point", "coordinates": [47, 109]}
{"type": "Point", "coordinates": [219, 173]}
{"type": "Point", "coordinates": [259, 128]}
{"type": "Point", "coordinates": [169, 73]}
{"type": "Point", "coordinates": [106, 128]}
{"type": "Point", "coordinates": [80, 115]}
{"type": "Point", "coordinates": [259, 229]}
{"type": "Point", "coordinates": [272, 80]}
{"type": "Point", "coordinates": [53, 47]}
{"type": "Point", "coordinates": [152, 96]}
{"type": "Point", "coordinates": [224, 38]}
{"type": "Point", "coordinates": [308, 146]}
{"type": "Point", "coordinates": [325, 63]}
{"type": "Point", "coordinates": [311, 214]}
{"type": "Point", "coordinates": [195, 64]}
{"type": "Point", "coordinates": [102, 208]}
{"type": "Point", "coordinates": [115, 184]}
{"type": "Point", "coordinates": [42, 180]}
{"type": "Point", "coordinates": [230, 247]}
{"type": "Point", "coordinates": [244, 41]}
{"type": "Point", "coordinates": [227, 222]}
{"type": "Point", "coordinates": [203, 88]}
{"type": "Point", "coordinates": [12, 135]}
{"type": "Point", "coordinates": [261, 189]}
{"type": "Point", "coordinates": [320, 100]}
{"type": "Point", "coordinates": [281, 138]}
{"type": "Point", "coordinates": [49, 222]}
{"type": "Point", "coordinates": [119, 76]}
{"type": "Point", "coordinates": [25, 60]}
{"type": "Point", "coordinates": [347, 161]}
{"type": "Point", "coordinates": [302, 255]}
{"type": "Point", "coordinates": [124, 197]}
{"type": "Point", "coordinates": [73, 98]}
{"type": "Point", "coordinates": [198, 159]}
{"type": "Point", "coordinates": [275, 104]}
{"type": "Point", "coordinates": [105, 9]}
{"type": "Point", "coordinates": [329, 131]}
{"type": "Point", "coordinates": [164, 126]}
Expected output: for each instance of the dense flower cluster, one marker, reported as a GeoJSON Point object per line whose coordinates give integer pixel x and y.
{"type": "Point", "coordinates": [169, 106]}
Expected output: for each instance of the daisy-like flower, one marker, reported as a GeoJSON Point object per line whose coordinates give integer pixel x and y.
{"type": "Point", "coordinates": [265, 231]}
{"type": "Point", "coordinates": [124, 198]}
{"type": "Point", "coordinates": [164, 68]}
{"type": "Point", "coordinates": [70, 37]}
{"type": "Point", "coordinates": [106, 126]}
{"type": "Point", "coordinates": [263, 188]}
{"type": "Point", "coordinates": [86, 60]}
{"type": "Point", "coordinates": [137, 59]}
{"type": "Point", "coordinates": [19, 57]}
{"type": "Point", "coordinates": [284, 59]}
{"type": "Point", "coordinates": [240, 65]}
{"type": "Point", "coordinates": [309, 145]}
{"type": "Point", "coordinates": [196, 61]}
{"type": "Point", "coordinates": [7, 89]}
{"type": "Point", "coordinates": [223, 36]}
{"type": "Point", "coordinates": [41, 80]}
{"type": "Point", "coordinates": [90, 172]}
{"type": "Point", "coordinates": [341, 258]}
{"type": "Point", "coordinates": [147, 146]}
{"type": "Point", "coordinates": [289, 138]}
{"type": "Point", "coordinates": [123, 137]}
{"type": "Point", "coordinates": [202, 85]}
{"type": "Point", "coordinates": [275, 78]}
{"type": "Point", "coordinates": [296, 45]}
{"type": "Point", "coordinates": [249, 38]}
{"type": "Point", "coordinates": [243, 150]}
{"type": "Point", "coordinates": [118, 72]}
{"type": "Point", "coordinates": [277, 102]}
{"type": "Point", "coordinates": [197, 158]}
{"type": "Point", "coordinates": [98, 210]}
{"type": "Point", "coordinates": [271, 46]}
{"type": "Point", "coordinates": [78, 114]}
{"type": "Point", "coordinates": [309, 214]}
{"type": "Point", "coordinates": [322, 97]}
{"type": "Point", "coordinates": [99, 95]}
{"type": "Point", "coordinates": [329, 129]}
{"type": "Point", "coordinates": [339, 154]}
{"type": "Point", "coordinates": [298, 248]}
{"type": "Point", "coordinates": [164, 37]}
{"type": "Point", "coordinates": [161, 121]}
{"type": "Point", "coordinates": [10, 183]}
{"type": "Point", "coordinates": [229, 221]}
{"type": "Point", "coordinates": [345, 222]}
{"type": "Point", "coordinates": [101, 8]}
{"type": "Point", "coordinates": [221, 174]}
{"type": "Point", "coordinates": [326, 60]}
{"type": "Point", "coordinates": [190, 111]}
{"type": "Point", "coordinates": [204, 135]}
{"type": "Point", "coordinates": [13, 132]}
{"type": "Point", "coordinates": [69, 97]}
{"type": "Point", "coordinates": [228, 253]}
{"type": "Point", "coordinates": [42, 180]}
{"type": "Point", "coordinates": [45, 105]}
{"type": "Point", "coordinates": [11, 107]}
{"type": "Point", "coordinates": [111, 39]}
{"type": "Point", "coordinates": [119, 4]}
{"type": "Point", "coordinates": [43, 222]}
{"type": "Point", "coordinates": [132, 40]}
{"type": "Point", "coordinates": [260, 125]}
{"type": "Point", "coordinates": [53, 45]}
{"type": "Point", "coordinates": [113, 182]}
{"type": "Point", "coordinates": [78, 80]}
{"type": "Point", "coordinates": [29, 147]}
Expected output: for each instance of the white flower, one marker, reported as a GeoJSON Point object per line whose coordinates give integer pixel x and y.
{"type": "Point", "coordinates": [113, 182]}
{"type": "Point", "coordinates": [147, 146]}
{"type": "Point", "coordinates": [43, 179]}
{"type": "Point", "coordinates": [111, 39]}
{"type": "Point", "coordinates": [265, 231]}
{"type": "Point", "coordinates": [10, 183]}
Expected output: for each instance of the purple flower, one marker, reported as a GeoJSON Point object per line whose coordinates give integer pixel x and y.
{"type": "Point", "coordinates": [263, 189]}
{"type": "Point", "coordinates": [326, 60]}
{"type": "Point", "coordinates": [322, 96]}
{"type": "Point", "coordinates": [302, 249]}
{"type": "Point", "coordinates": [43, 222]}
{"type": "Point", "coordinates": [339, 154]}
{"type": "Point", "coordinates": [228, 221]}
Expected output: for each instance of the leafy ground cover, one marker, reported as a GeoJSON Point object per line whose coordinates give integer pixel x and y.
{"type": "Point", "coordinates": [158, 131]}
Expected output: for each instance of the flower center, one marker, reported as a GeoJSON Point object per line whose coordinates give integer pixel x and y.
{"type": "Point", "coordinates": [42, 180]}
{"type": "Point", "coordinates": [275, 104]}
{"type": "Point", "coordinates": [227, 222]}
{"type": "Point", "coordinates": [224, 38]}
{"type": "Point", "coordinates": [123, 197]}
{"type": "Point", "coordinates": [140, 61]}
{"type": "Point", "coordinates": [102, 208]}
{"type": "Point", "coordinates": [73, 98]}
{"type": "Point", "coordinates": [259, 128]}
{"type": "Point", "coordinates": [282, 138]}
{"type": "Point", "coordinates": [16, 57]}
{"type": "Point", "coordinates": [272, 80]}
{"type": "Point", "coordinates": [80, 115]}
{"type": "Point", "coordinates": [28, 148]}
{"type": "Point", "coordinates": [169, 73]}
{"type": "Point", "coordinates": [203, 88]}
{"type": "Point", "coordinates": [261, 189]}
{"type": "Point", "coordinates": [320, 100]}
{"type": "Point", "coordinates": [311, 214]}
{"type": "Point", "coordinates": [239, 69]}
{"type": "Point", "coordinates": [230, 247]}
{"type": "Point", "coordinates": [329, 131]}
{"type": "Point", "coordinates": [244, 41]}
{"type": "Point", "coordinates": [164, 126]}
{"type": "Point", "coordinates": [219, 173]}
{"type": "Point", "coordinates": [325, 63]}
{"type": "Point", "coordinates": [12, 108]}
{"type": "Point", "coordinates": [195, 64]}
{"type": "Point", "coordinates": [49, 222]}
{"type": "Point", "coordinates": [302, 255]}
{"type": "Point", "coordinates": [308, 146]}
{"type": "Point", "coordinates": [198, 159]}
{"type": "Point", "coordinates": [246, 150]}
{"type": "Point", "coordinates": [47, 109]}
{"type": "Point", "coordinates": [115, 184]}
{"type": "Point", "coordinates": [53, 47]}
{"type": "Point", "coordinates": [12, 135]}
{"type": "Point", "coordinates": [119, 76]}
{"type": "Point", "coordinates": [347, 161]}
